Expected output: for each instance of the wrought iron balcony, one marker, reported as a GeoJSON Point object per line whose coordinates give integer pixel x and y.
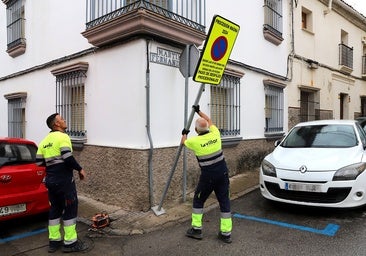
{"type": "Point", "coordinates": [178, 21]}
{"type": "Point", "coordinates": [345, 58]}
{"type": "Point", "coordinates": [16, 43]}
{"type": "Point", "coordinates": [272, 27]}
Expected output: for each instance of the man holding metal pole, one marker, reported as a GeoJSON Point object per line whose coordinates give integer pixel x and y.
{"type": "Point", "coordinates": [214, 175]}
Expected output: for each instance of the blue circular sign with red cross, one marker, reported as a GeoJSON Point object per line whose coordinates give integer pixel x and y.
{"type": "Point", "coordinates": [219, 48]}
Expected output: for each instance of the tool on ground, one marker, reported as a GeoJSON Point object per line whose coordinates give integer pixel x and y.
{"type": "Point", "coordinates": [100, 220]}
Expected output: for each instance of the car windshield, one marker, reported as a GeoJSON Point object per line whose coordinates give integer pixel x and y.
{"type": "Point", "coordinates": [321, 136]}
{"type": "Point", "coordinates": [11, 153]}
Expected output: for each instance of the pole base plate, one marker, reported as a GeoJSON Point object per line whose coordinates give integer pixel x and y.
{"type": "Point", "coordinates": [156, 210]}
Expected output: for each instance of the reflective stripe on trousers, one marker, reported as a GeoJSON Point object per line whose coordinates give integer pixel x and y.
{"type": "Point", "coordinates": [54, 233]}
{"type": "Point", "coordinates": [226, 223]}
{"type": "Point", "coordinates": [70, 231]}
{"type": "Point", "coordinates": [197, 215]}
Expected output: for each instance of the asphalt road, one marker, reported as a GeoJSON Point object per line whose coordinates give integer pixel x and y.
{"type": "Point", "coordinates": [260, 228]}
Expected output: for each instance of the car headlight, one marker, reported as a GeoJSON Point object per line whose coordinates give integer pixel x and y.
{"type": "Point", "coordinates": [268, 169]}
{"type": "Point", "coordinates": [349, 172]}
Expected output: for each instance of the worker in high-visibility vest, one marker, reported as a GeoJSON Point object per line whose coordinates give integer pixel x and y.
{"type": "Point", "coordinates": [214, 175]}
{"type": "Point", "coordinates": [55, 152]}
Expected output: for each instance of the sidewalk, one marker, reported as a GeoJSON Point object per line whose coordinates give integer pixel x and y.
{"type": "Point", "coordinates": [130, 223]}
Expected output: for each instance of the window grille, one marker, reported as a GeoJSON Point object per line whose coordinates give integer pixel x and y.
{"type": "Point", "coordinates": [15, 23]}
{"type": "Point", "coordinates": [273, 16]}
{"type": "Point", "coordinates": [346, 56]}
{"type": "Point", "coordinates": [191, 13]}
{"type": "Point", "coordinates": [161, 3]}
{"type": "Point", "coordinates": [70, 101]}
{"type": "Point", "coordinates": [273, 108]}
{"type": "Point", "coordinates": [16, 117]}
{"type": "Point", "coordinates": [225, 106]}
{"type": "Point", "coordinates": [98, 9]}
{"type": "Point", "coordinates": [309, 107]}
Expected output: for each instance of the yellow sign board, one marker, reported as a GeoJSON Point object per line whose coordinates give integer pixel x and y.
{"type": "Point", "coordinates": [216, 52]}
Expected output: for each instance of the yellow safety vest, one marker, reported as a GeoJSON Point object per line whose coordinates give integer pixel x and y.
{"type": "Point", "coordinates": [205, 144]}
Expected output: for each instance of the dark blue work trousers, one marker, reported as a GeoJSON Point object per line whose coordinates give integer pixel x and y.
{"type": "Point", "coordinates": [213, 180]}
{"type": "Point", "coordinates": [63, 199]}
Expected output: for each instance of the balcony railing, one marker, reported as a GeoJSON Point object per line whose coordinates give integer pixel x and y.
{"type": "Point", "coordinates": [16, 42]}
{"type": "Point", "coordinates": [272, 27]}
{"type": "Point", "coordinates": [346, 58]}
{"type": "Point", "coordinates": [179, 21]}
{"type": "Point", "coordinates": [191, 13]}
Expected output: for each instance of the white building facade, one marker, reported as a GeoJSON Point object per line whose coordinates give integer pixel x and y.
{"type": "Point", "coordinates": [328, 77]}
{"type": "Point", "coordinates": [111, 68]}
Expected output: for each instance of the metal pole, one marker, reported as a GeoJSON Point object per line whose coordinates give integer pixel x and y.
{"type": "Point", "coordinates": [185, 122]}
{"type": "Point", "coordinates": [148, 126]}
{"type": "Point", "coordinates": [188, 124]}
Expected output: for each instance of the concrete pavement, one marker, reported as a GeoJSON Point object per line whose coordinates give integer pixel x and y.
{"type": "Point", "coordinates": [132, 223]}
{"type": "Point", "coordinates": [109, 240]}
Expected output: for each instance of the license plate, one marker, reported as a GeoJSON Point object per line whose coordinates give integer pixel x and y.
{"type": "Point", "coordinates": [12, 209]}
{"type": "Point", "coordinates": [303, 187]}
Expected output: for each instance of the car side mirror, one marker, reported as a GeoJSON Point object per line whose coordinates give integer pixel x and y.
{"type": "Point", "coordinates": [277, 142]}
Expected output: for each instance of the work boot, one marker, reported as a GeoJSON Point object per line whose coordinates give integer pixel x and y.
{"type": "Point", "coordinates": [54, 246]}
{"type": "Point", "coordinates": [224, 238]}
{"type": "Point", "coordinates": [194, 233]}
{"type": "Point", "coordinates": [78, 246]}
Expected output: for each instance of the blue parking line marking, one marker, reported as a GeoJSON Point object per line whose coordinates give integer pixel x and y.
{"type": "Point", "coordinates": [329, 230]}
{"type": "Point", "coordinates": [23, 235]}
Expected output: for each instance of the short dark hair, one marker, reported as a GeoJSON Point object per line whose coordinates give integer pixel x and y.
{"type": "Point", "coordinates": [51, 120]}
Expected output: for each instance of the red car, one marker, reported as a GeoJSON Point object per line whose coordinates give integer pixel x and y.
{"type": "Point", "coordinates": [22, 188]}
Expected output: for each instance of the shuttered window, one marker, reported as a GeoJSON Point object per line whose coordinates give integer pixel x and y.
{"type": "Point", "coordinates": [273, 16]}
{"type": "Point", "coordinates": [15, 23]}
{"type": "Point", "coordinates": [70, 98]}
{"type": "Point", "coordinates": [16, 117]}
{"type": "Point", "coordinates": [273, 108]}
{"type": "Point", "coordinates": [70, 101]}
{"type": "Point", "coordinates": [309, 106]}
{"type": "Point", "coordinates": [225, 106]}
{"type": "Point", "coordinates": [16, 114]}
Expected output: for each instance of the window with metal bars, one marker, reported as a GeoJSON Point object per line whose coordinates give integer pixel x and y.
{"type": "Point", "coordinates": [16, 117]}
{"type": "Point", "coordinates": [15, 23]}
{"type": "Point", "coordinates": [309, 106]}
{"type": "Point", "coordinates": [273, 16]}
{"type": "Point", "coordinates": [70, 102]}
{"type": "Point", "coordinates": [346, 56]}
{"type": "Point", "coordinates": [273, 108]}
{"type": "Point", "coordinates": [225, 105]}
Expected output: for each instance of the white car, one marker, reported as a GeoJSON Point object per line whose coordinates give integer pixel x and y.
{"type": "Point", "coordinates": [318, 163]}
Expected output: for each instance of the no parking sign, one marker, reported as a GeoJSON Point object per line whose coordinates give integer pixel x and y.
{"type": "Point", "coordinates": [219, 43]}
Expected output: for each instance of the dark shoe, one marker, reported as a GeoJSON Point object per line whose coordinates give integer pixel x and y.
{"type": "Point", "coordinates": [78, 246]}
{"type": "Point", "coordinates": [194, 233]}
{"type": "Point", "coordinates": [225, 238]}
{"type": "Point", "coordinates": [54, 246]}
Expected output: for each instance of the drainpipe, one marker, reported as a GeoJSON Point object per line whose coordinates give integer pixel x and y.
{"type": "Point", "coordinates": [329, 7]}
{"type": "Point", "coordinates": [290, 57]}
{"type": "Point", "coordinates": [150, 169]}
